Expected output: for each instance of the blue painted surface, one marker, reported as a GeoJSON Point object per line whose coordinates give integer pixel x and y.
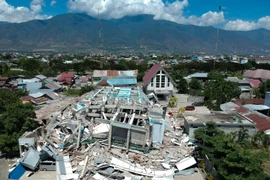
{"type": "Point", "coordinates": [122, 80]}
{"type": "Point", "coordinates": [16, 173]}
{"type": "Point", "coordinates": [158, 131]}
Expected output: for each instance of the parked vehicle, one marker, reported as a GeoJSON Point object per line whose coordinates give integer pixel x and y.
{"type": "Point", "coordinates": [190, 108]}
{"type": "Point", "coordinates": [197, 104]}
{"type": "Point", "coordinates": [47, 166]}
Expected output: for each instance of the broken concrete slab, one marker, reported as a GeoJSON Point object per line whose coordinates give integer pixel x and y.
{"type": "Point", "coordinates": [185, 163]}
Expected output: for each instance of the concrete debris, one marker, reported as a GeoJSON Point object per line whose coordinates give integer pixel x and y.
{"type": "Point", "coordinates": [110, 133]}
{"type": "Point", "coordinates": [185, 163]}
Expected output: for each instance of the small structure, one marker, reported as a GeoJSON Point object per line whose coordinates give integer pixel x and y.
{"type": "Point", "coordinates": [244, 85]}
{"type": "Point", "coordinates": [99, 74]}
{"type": "Point", "coordinates": [66, 78]}
{"type": "Point", "coordinates": [200, 76]}
{"type": "Point", "coordinates": [118, 81]}
{"type": "Point", "coordinates": [226, 121]}
{"type": "Point", "coordinates": [158, 81]}
{"type": "Point", "coordinates": [3, 81]}
{"type": "Point", "coordinates": [260, 74]}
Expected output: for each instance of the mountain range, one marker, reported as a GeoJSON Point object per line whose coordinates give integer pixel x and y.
{"type": "Point", "coordinates": [79, 32]}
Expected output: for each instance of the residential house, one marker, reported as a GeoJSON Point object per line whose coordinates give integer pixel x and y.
{"type": "Point", "coordinates": [254, 83]}
{"type": "Point", "coordinates": [259, 74]}
{"type": "Point", "coordinates": [253, 109]}
{"type": "Point", "coordinates": [40, 77]}
{"type": "Point", "coordinates": [55, 86]}
{"type": "Point", "coordinates": [40, 98]}
{"type": "Point", "coordinates": [3, 81]}
{"type": "Point", "coordinates": [158, 81]}
{"type": "Point", "coordinates": [66, 78]}
{"type": "Point", "coordinates": [203, 77]}
{"type": "Point", "coordinates": [226, 121]}
{"type": "Point", "coordinates": [244, 85]}
{"type": "Point", "coordinates": [261, 59]}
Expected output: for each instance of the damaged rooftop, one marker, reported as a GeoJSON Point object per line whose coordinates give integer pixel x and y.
{"type": "Point", "coordinates": [109, 133]}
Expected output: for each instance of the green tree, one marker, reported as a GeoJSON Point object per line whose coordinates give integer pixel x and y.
{"type": "Point", "coordinates": [182, 86]}
{"type": "Point", "coordinates": [218, 92]}
{"type": "Point", "coordinates": [260, 92]}
{"type": "Point", "coordinates": [231, 159]}
{"type": "Point", "coordinates": [215, 75]}
{"type": "Point", "coordinates": [195, 84]}
{"type": "Point", "coordinates": [241, 164]}
{"type": "Point", "coordinates": [17, 119]}
{"type": "Point", "coordinates": [86, 89]}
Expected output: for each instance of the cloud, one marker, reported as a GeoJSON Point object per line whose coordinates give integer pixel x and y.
{"type": "Point", "coordinates": [264, 22]}
{"type": "Point", "coordinates": [241, 25]}
{"type": "Point", "coordinates": [165, 11]}
{"type": "Point", "coordinates": [10, 13]}
{"type": "Point", "coordinates": [53, 3]}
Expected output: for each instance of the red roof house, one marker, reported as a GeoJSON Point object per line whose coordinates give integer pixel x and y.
{"type": "Point", "coordinates": [254, 83]}
{"type": "Point", "coordinates": [66, 78]}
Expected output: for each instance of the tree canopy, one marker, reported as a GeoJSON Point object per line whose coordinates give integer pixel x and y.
{"type": "Point", "coordinates": [15, 119]}
{"type": "Point", "coordinates": [230, 155]}
{"type": "Point", "coordinates": [218, 91]}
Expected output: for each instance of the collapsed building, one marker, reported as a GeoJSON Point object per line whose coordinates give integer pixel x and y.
{"type": "Point", "coordinates": [111, 133]}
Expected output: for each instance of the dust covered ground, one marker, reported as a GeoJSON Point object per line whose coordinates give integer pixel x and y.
{"type": "Point", "coordinates": [3, 169]}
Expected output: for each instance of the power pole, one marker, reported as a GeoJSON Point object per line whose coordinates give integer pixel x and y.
{"type": "Point", "coordinates": [100, 42]}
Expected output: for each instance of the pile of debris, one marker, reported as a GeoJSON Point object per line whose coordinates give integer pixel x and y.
{"type": "Point", "coordinates": [112, 133]}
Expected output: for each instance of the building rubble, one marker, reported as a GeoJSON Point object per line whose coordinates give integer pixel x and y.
{"type": "Point", "coordinates": [111, 133]}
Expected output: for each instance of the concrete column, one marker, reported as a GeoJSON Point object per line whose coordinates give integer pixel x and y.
{"type": "Point", "coordinates": [110, 136]}
{"type": "Point", "coordinates": [79, 136]}
{"type": "Point", "coordinates": [20, 148]}
{"type": "Point", "coordinates": [128, 139]}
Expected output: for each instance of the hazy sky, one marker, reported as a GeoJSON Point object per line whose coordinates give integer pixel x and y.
{"type": "Point", "coordinates": [233, 15]}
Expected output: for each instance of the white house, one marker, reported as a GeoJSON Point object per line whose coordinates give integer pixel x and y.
{"type": "Point", "coordinates": [158, 81]}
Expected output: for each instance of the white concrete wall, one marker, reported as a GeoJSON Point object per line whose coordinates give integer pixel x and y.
{"type": "Point", "coordinates": [166, 87]}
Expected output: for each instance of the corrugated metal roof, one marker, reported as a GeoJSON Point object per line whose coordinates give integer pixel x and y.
{"type": "Point", "coordinates": [262, 122]}
{"type": "Point", "coordinates": [53, 85]}
{"type": "Point", "coordinates": [36, 95]}
{"type": "Point", "coordinates": [40, 76]}
{"type": "Point", "coordinates": [256, 107]}
{"type": "Point", "coordinates": [111, 73]}
{"type": "Point", "coordinates": [199, 75]}
{"type": "Point", "coordinates": [122, 81]}
{"type": "Point", "coordinates": [254, 83]}
{"type": "Point", "coordinates": [249, 101]}
{"type": "Point", "coordinates": [53, 95]}
{"type": "Point", "coordinates": [258, 74]}
{"type": "Point", "coordinates": [32, 86]}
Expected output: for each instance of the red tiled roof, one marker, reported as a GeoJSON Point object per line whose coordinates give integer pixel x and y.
{"type": "Point", "coordinates": [258, 74]}
{"type": "Point", "coordinates": [66, 78]}
{"type": "Point", "coordinates": [3, 78]}
{"type": "Point", "coordinates": [151, 73]}
{"type": "Point", "coordinates": [262, 122]}
{"type": "Point", "coordinates": [254, 83]}
{"type": "Point", "coordinates": [249, 101]}
{"type": "Point", "coordinates": [39, 100]}
{"type": "Point", "coordinates": [2, 83]}
{"type": "Point", "coordinates": [67, 75]}
{"type": "Point", "coordinates": [27, 98]}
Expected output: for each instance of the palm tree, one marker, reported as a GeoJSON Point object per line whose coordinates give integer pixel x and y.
{"type": "Point", "coordinates": [232, 136]}
{"type": "Point", "coordinates": [243, 134]}
{"type": "Point", "coordinates": [265, 140]}
{"type": "Point", "coordinates": [257, 138]}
